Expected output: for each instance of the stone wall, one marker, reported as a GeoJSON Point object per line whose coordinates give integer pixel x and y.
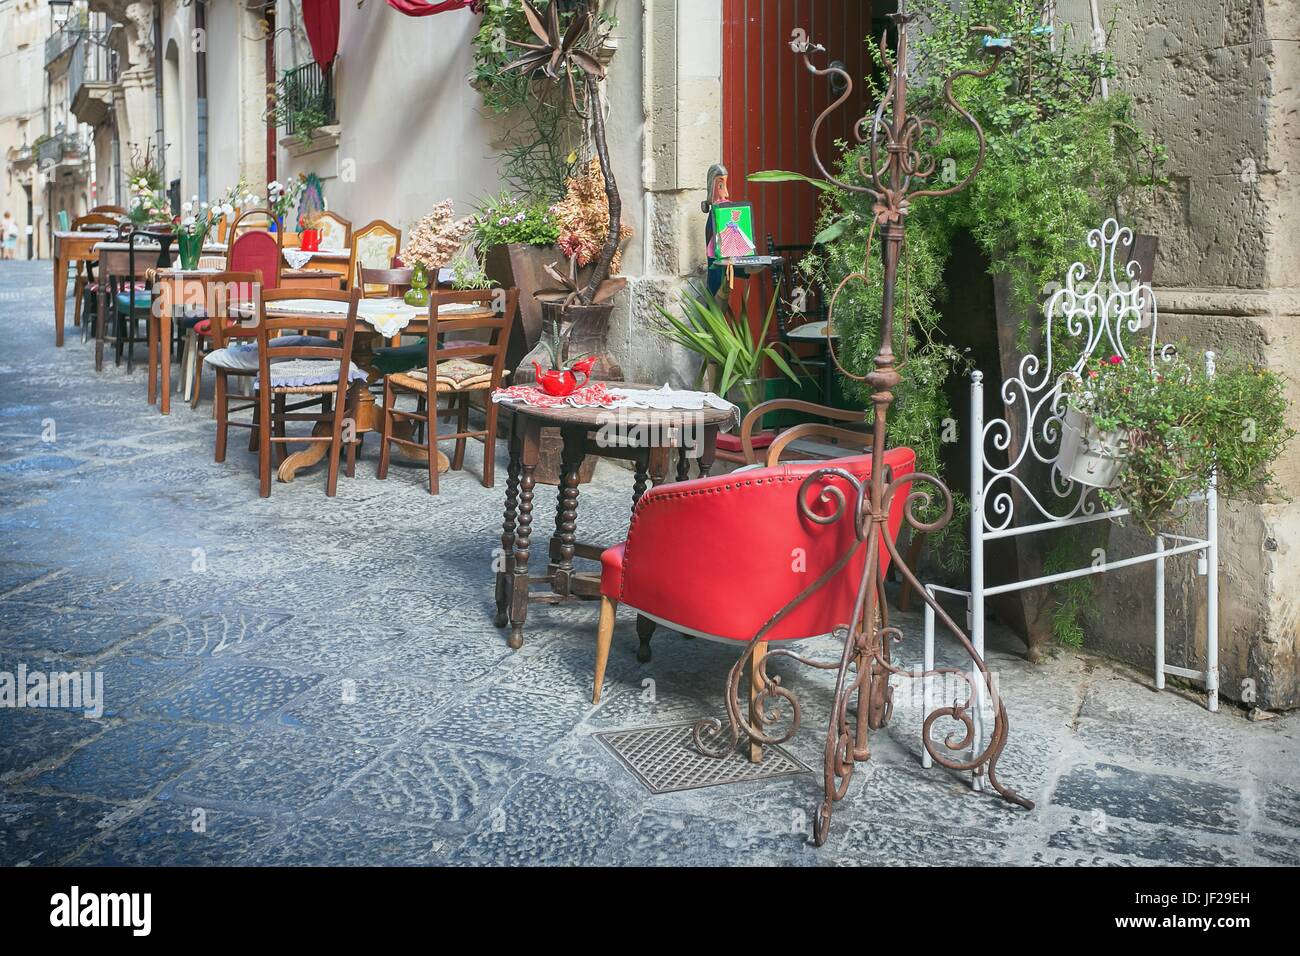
{"type": "Point", "coordinates": [1216, 81]}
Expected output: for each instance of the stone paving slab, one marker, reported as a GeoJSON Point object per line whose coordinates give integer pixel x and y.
{"type": "Point", "coordinates": [305, 680]}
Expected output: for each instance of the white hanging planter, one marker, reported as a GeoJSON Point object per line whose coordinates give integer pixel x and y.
{"type": "Point", "coordinates": [1088, 455]}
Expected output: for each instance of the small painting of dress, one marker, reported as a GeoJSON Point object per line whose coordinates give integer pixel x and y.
{"type": "Point", "coordinates": [733, 230]}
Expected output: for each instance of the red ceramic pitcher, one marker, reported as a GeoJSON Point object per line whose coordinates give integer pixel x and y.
{"type": "Point", "coordinates": [556, 382]}
{"type": "Point", "coordinates": [310, 240]}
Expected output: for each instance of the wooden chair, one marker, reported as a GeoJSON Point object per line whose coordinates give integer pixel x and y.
{"type": "Point", "coordinates": [224, 291]}
{"type": "Point", "coordinates": [84, 277]}
{"type": "Point", "coordinates": [108, 210]}
{"type": "Point", "coordinates": [383, 283]}
{"type": "Point", "coordinates": [373, 246]}
{"type": "Point", "coordinates": [273, 410]}
{"type": "Point", "coordinates": [123, 298]}
{"type": "Point", "coordinates": [455, 369]}
{"type": "Point", "coordinates": [335, 231]}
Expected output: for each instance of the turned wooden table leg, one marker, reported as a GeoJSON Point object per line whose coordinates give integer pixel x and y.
{"type": "Point", "coordinates": [710, 450]}
{"type": "Point", "coordinates": [566, 511]}
{"type": "Point", "coordinates": [530, 453]}
{"type": "Point", "coordinates": [60, 295]}
{"type": "Point", "coordinates": [509, 519]}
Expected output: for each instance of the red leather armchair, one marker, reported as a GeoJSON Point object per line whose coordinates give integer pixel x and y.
{"type": "Point", "coordinates": [699, 553]}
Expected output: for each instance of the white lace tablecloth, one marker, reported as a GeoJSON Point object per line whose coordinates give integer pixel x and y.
{"type": "Point", "coordinates": [387, 316]}
{"type": "Point", "coordinates": [666, 397]}
{"type": "Point", "coordinates": [298, 258]}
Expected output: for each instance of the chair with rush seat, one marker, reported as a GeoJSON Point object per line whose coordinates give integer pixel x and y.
{"type": "Point", "coordinates": [755, 523]}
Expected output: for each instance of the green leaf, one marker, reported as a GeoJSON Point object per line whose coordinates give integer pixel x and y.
{"type": "Point", "coordinates": [832, 232]}
{"type": "Point", "coordinates": [786, 176]}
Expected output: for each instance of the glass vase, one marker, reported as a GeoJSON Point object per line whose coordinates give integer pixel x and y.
{"type": "Point", "coordinates": [418, 294]}
{"type": "Point", "coordinates": [191, 248]}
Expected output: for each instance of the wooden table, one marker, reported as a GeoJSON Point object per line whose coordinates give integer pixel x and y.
{"type": "Point", "coordinates": [646, 437]}
{"type": "Point", "coordinates": [328, 269]}
{"type": "Point", "coordinates": [70, 247]}
{"type": "Point", "coordinates": [369, 416]}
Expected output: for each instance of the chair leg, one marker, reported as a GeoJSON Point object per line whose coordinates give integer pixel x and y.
{"type": "Point", "coordinates": [279, 427]}
{"type": "Point", "coordinates": [219, 406]}
{"type": "Point", "coordinates": [490, 445]}
{"type": "Point", "coordinates": [645, 629]}
{"type": "Point", "coordinates": [756, 685]}
{"type": "Point", "coordinates": [253, 437]}
{"type": "Point", "coordinates": [386, 434]}
{"type": "Point", "coordinates": [353, 446]}
{"type": "Point", "coordinates": [604, 637]}
{"type": "Point", "coordinates": [462, 425]}
{"type": "Point", "coordinates": [336, 446]}
{"type": "Point", "coordinates": [264, 441]}
{"type": "Point", "coordinates": [432, 449]}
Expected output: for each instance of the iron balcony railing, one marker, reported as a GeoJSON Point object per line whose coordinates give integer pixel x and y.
{"type": "Point", "coordinates": [58, 42]}
{"type": "Point", "coordinates": [306, 96]}
{"type": "Point", "coordinates": [92, 62]}
{"type": "Point", "coordinates": [59, 147]}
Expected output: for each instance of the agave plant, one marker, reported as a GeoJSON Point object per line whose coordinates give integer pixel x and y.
{"type": "Point", "coordinates": [709, 328]}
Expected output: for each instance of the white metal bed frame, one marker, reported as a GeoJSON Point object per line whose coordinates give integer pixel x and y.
{"type": "Point", "coordinates": [1109, 310]}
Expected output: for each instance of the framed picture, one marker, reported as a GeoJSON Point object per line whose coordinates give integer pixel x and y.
{"type": "Point", "coordinates": [733, 231]}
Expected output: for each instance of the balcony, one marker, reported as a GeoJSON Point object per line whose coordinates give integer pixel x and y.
{"type": "Point", "coordinates": [63, 40]}
{"type": "Point", "coordinates": [91, 75]}
{"type": "Point", "coordinates": [306, 100]}
{"type": "Point", "coordinates": [61, 152]}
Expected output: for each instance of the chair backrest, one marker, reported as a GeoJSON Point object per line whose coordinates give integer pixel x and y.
{"type": "Point", "coordinates": [844, 437]}
{"type": "Point", "coordinates": [90, 220]}
{"type": "Point", "coordinates": [496, 319]}
{"type": "Point", "coordinates": [378, 283]}
{"type": "Point", "coordinates": [253, 219]}
{"type": "Point", "coordinates": [108, 210]}
{"type": "Point", "coordinates": [373, 246]}
{"type": "Point", "coordinates": [225, 294]}
{"type": "Point", "coordinates": [62, 219]}
{"type": "Point", "coordinates": [812, 306]}
{"type": "Point", "coordinates": [342, 325]}
{"type": "Point", "coordinates": [335, 231]}
{"type": "Point", "coordinates": [752, 526]}
{"type": "Point", "coordinates": [256, 252]}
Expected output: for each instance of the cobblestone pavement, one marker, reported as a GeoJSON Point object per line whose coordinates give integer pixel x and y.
{"type": "Point", "coordinates": [314, 681]}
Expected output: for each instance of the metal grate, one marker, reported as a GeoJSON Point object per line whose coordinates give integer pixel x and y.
{"type": "Point", "coordinates": [664, 759]}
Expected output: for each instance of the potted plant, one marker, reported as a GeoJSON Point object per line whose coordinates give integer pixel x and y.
{"type": "Point", "coordinates": [197, 219]}
{"type": "Point", "coordinates": [733, 356]}
{"type": "Point", "coordinates": [432, 244]}
{"type": "Point", "coordinates": [1152, 435]}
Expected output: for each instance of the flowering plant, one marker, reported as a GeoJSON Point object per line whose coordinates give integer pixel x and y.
{"type": "Point", "coordinates": [1182, 424]}
{"type": "Point", "coordinates": [506, 219]}
{"type": "Point", "coordinates": [197, 218]}
{"type": "Point", "coordinates": [281, 197]}
{"type": "Point", "coordinates": [583, 216]}
{"type": "Point", "coordinates": [437, 237]}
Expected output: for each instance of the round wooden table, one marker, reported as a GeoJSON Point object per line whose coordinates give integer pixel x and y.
{"type": "Point", "coordinates": [645, 436]}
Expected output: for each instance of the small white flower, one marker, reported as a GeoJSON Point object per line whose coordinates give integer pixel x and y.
{"type": "Point", "coordinates": [186, 207]}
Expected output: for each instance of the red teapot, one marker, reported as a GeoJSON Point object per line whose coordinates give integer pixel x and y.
{"type": "Point", "coordinates": [559, 383]}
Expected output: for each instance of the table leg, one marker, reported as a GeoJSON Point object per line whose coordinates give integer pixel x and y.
{"type": "Point", "coordinates": [165, 361]}
{"type": "Point", "coordinates": [683, 464]}
{"type": "Point", "coordinates": [530, 454]}
{"type": "Point", "coordinates": [508, 529]}
{"type": "Point", "coordinates": [151, 326]}
{"type": "Point", "coordinates": [645, 628]}
{"type": "Point", "coordinates": [710, 450]}
{"type": "Point", "coordinates": [566, 510]}
{"type": "Point", "coordinates": [60, 294]}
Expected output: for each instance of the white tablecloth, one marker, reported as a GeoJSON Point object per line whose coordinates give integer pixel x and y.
{"type": "Point", "coordinates": [386, 316]}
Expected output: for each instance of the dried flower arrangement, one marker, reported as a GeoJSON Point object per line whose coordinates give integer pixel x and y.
{"type": "Point", "coordinates": [437, 237]}
{"type": "Point", "coordinates": [583, 216]}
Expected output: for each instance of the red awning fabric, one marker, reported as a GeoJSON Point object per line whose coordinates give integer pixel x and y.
{"type": "Point", "coordinates": [418, 8]}
{"type": "Point", "coordinates": [321, 18]}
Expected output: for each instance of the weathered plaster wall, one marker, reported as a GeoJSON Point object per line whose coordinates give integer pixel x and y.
{"type": "Point", "coordinates": [1216, 81]}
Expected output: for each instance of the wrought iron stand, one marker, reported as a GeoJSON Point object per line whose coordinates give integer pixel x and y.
{"type": "Point", "coordinates": [864, 668]}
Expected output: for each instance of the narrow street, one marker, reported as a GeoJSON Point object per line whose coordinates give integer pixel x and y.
{"type": "Point", "coordinates": [305, 680]}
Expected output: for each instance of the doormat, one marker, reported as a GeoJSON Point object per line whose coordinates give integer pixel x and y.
{"type": "Point", "coordinates": [665, 760]}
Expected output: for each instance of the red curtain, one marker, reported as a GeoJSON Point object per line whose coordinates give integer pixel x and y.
{"type": "Point", "coordinates": [321, 17]}
{"type": "Point", "coordinates": [418, 8]}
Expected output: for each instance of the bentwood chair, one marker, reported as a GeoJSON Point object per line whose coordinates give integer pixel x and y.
{"type": "Point", "coordinates": [373, 246]}
{"type": "Point", "coordinates": [234, 349]}
{"type": "Point", "coordinates": [454, 369]}
{"type": "Point", "coordinates": [84, 288]}
{"type": "Point", "coordinates": [753, 524]}
{"type": "Point", "coordinates": [320, 374]}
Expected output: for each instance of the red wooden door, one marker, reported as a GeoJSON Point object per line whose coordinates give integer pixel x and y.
{"type": "Point", "coordinates": [770, 100]}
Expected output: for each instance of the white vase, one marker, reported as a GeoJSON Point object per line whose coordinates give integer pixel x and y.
{"type": "Point", "coordinates": [1088, 455]}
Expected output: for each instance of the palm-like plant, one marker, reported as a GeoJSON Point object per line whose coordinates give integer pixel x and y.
{"type": "Point", "coordinates": [709, 328]}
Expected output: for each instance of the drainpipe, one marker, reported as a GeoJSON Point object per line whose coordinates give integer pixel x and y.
{"type": "Point", "coordinates": [158, 88]}
{"type": "Point", "coordinates": [271, 175]}
{"type": "Point", "coordinates": [201, 90]}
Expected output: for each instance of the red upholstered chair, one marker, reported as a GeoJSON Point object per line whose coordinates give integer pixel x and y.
{"type": "Point", "coordinates": [726, 584]}
{"type": "Point", "coordinates": [251, 252]}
